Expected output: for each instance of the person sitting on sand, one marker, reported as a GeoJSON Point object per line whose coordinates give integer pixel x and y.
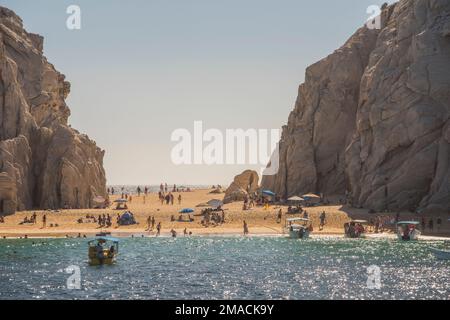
{"type": "Point", "coordinates": [2, 220]}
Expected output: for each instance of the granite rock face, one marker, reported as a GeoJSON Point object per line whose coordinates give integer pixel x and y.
{"type": "Point", "coordinates": [242, 185]}
{"type": "Point", "coordinates": [373, 118]}
{"type": "Point", "coordinates": [50, 164]}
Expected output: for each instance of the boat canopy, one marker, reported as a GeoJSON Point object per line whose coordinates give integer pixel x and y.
{"type": "Point", "coordinates": [409, 222]}
{"type": "Point", "coordinates": [297, 219]}
{"type": "Point", "coordinates": [360, 221]}
{"type": "Point", "coordinates": [105, 238]}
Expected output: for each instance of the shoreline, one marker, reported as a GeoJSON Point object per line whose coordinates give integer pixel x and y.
{"type": "Point", "coordinates": [223, 234]}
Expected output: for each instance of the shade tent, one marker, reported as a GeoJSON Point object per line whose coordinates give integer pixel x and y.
{"type": "Point", "coordinates": [311, 196]}
{"type": "Point", "coordinates": [296, 198]}
{"type": "Point", "coordinates": [215, 203]}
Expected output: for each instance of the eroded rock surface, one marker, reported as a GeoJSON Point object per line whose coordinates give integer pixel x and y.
{"type": "Point", "coordinates": [50, 164]}
{"type": "Point", "coordinates": [373, 117]}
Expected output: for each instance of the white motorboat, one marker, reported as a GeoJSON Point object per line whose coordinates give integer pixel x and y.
{"type": "Point", "coordinates": [296, 230]}
{"type": "Point", "coordinates": [355, 229]}
{"type": "Point", "coordinates": [407, 230]}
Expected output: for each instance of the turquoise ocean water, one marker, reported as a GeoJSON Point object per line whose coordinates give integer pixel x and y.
{"type": "Point", "coordinates": [225, 268]}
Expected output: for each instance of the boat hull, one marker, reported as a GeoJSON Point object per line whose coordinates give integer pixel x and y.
{"type": "Point", "coordinates": [441, 254]}
{"type": "Point", "coordinates": [295, 234]}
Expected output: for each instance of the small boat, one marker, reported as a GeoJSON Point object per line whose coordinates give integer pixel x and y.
{"type": "Point", "coordinates": [441, 254]}
{"type": "Point", "coordinates": [103, 249]}
{"type": "Point", "coordinates": [297, 231]}
{"type": "Point", "coordinates": [407, 230]}
{"type": "Point", "coordinates": [355, 229]}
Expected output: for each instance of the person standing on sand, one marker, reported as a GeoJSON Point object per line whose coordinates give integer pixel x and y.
{"type": "Point", "coordinates": [185, 232]}
{"type": "Point", "coordinates": [153, 223]}
{"type": "Point", "coordinates": [322, 220]}
{"type": "Point", "coordinates": [171, 198]}
{"type": "Point", "coordinates": [245, 228]}
{"type": "Point", "coordinates": [138, 191]}
{"type": "Point", "coordinates": [179, 198]}
{"type": "Point", "coordinates": [149, 222]}
{"type": "Point", "coordinates": [158, 229]}
{"type": "Point", "coordinates": [44, 221]}
{"type": "Point", "coordinates": [280, 214]}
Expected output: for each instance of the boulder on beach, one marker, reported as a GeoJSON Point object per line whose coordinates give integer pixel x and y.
{"type": "Point", "coordinates": [242, 185]}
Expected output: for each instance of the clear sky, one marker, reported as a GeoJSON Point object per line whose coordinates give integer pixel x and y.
{"type": "Point", "coordinates": [140, 69]}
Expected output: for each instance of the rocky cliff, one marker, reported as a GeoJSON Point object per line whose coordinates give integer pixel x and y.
{"type": "Point", "coordinates": [373, 117]}
{"type": "Point", "coordinates": [44, 163]}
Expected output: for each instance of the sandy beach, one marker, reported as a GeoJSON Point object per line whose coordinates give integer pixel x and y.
{"type": "Point", "coordinates": [260, 220]}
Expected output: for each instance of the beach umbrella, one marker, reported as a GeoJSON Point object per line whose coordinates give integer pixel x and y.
{"type": "Point", "coordinates": [203, 205]}
{"type": "Point", "coordinates": [268, 193]}
{"type": "Point", "coordinates": [215, 203]}
{"type": "Point", "coordinates": [311, 196]}
{"type": "Point", "coordinates": [186, 210]}
{"type": "Point", "coordinates": [296, 198]}
{"type": "Point", "coordinates": [121, 200]}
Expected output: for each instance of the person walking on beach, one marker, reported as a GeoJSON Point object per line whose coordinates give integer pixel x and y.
{"type": "Point", "coordinates": [158, 229]}
{"type": "Point", "coordinates": [185, 232]}
{"type": "Point", "coordinates": [179, 198]}
{"type": "Point", "coordinates": [171, 198]}
{"type": "Point", "coordinates": [149, 223]}
{"type": "Point", "coordinates": [139, 191]}
{"type": "Point", "coordinates": [280, 214]}
{"type": "Point", "coordinates": [245, 228]}
{"type": "Point", "coordinates": [322, 220]}
{"type": "Point", "coordinates": [44, 221]}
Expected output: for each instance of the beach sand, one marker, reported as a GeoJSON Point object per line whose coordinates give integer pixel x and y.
{"type": "Point", "coordinates": [260, 221]}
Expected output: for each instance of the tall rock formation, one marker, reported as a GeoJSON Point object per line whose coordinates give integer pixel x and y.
{"type": "Point", "coordinates": [373, 117]}
{"type": "Point", "coordinates": [43, 161]}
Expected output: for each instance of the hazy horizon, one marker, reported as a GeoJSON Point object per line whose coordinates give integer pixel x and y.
{"type": "Point", "coordinates": [140, 71]}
